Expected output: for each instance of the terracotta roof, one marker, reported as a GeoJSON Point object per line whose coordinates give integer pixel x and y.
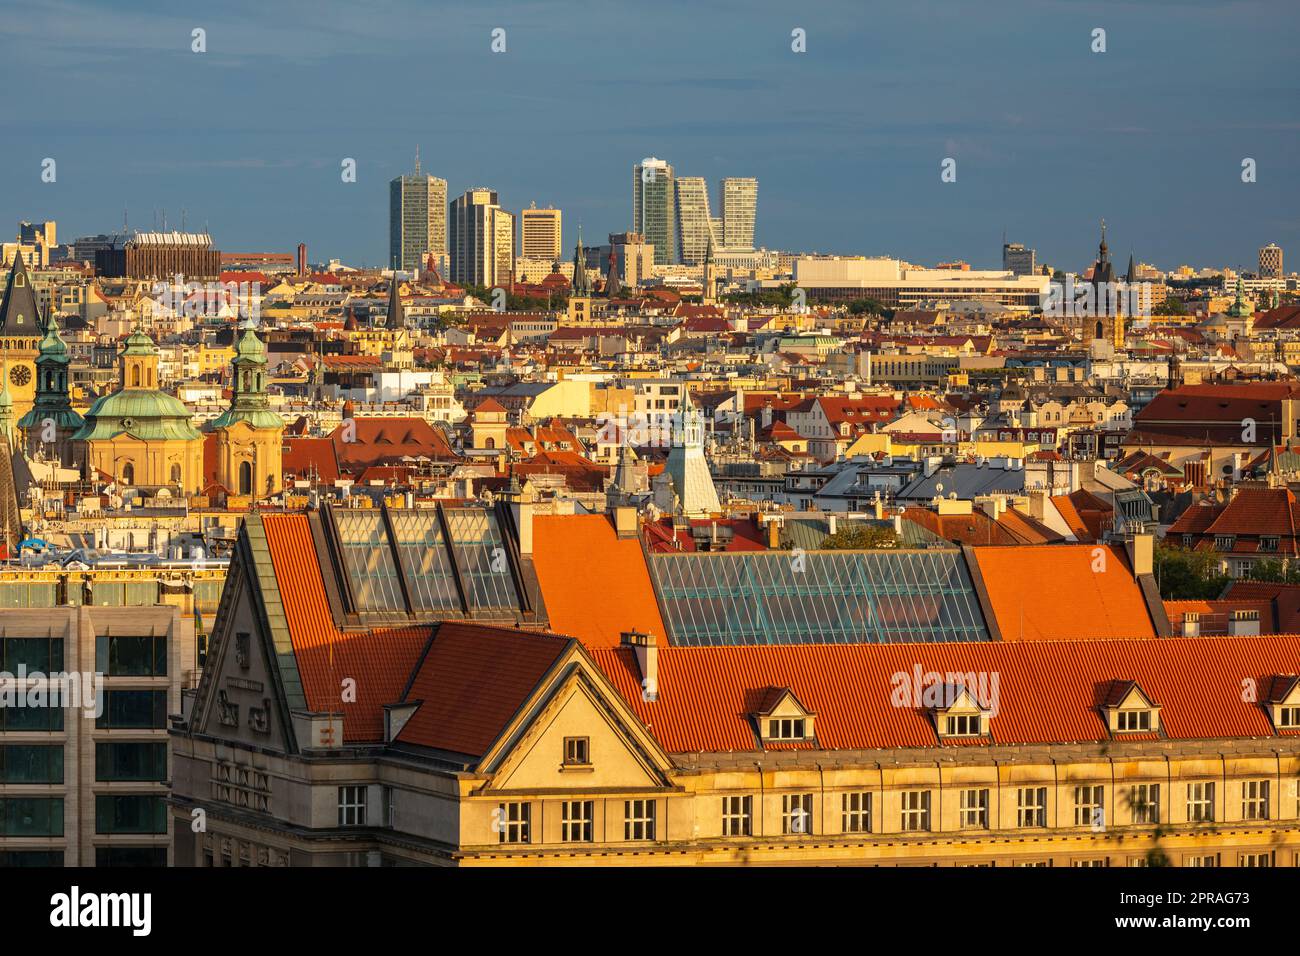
{"type": "Point", "coordinates": [471, 683]}
{"type": "Point", "coordinates": [380, 660]}
{"type": "Point", "coordinates": [594, 584]}
{"type": "Point", "coordinates": [1048, 691]}
{"type": "Point", "coordinates": [1063, 596]}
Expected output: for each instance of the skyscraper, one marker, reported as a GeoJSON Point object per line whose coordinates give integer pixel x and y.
{"type": "Point", "coordinates": [739, 212]}
{"type": "Point", "coordinates": [694, 220]}
{"type": "Point", "coordinates": [417, 218]}
{"type": "Point", "coordinates": [1270, 261]}
{"type": "Point", "coordinates": [654, 207]}
{"type": "Point", "coordinates": [1017, 259]}
{"type": "Point", "coordinates": [482, 239]}
{"type": "Point", "coordinates": [539, 233]}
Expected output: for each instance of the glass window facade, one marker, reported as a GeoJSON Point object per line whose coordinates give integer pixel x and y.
{"type": "Point", "coordinates": [131, 656]}
{"type": "Point", "coordinates": [130, 813]}
{"type": "Point", "coordinates": [31, 763]}
{"type": "Point", "coordinates": [130, 761]}
{"type": "Point", "coordinates": [426, 560]}
{"type": "Point", "coordinates": [368, 560]}
{"type": "Point", "coordinates": [138, 709]}
{"type": "Point", "coordinates": [823, 597]}
{"type": "Point", "coordinates": [481, 556]}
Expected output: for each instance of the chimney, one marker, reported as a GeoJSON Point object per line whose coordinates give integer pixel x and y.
{"type": "Point", "coordinates": [878, 507]}
{"type": "Point", "coordinates": [1191, 624]}
{"type": "Point", "coordinates": [773, 534]}
{"type": "Point", "coordinates": [1244, 623]}
{"type": "Point", "coordinates": [523, 515]}
{"type": "Point", "coordinates": [1141, 553]}
{"type": "Point", "coordinates": [625, 521]}
{"type": "Point", "coordinates": [647, 661]}
{"type": "Point", "coordinates": [831, 523]}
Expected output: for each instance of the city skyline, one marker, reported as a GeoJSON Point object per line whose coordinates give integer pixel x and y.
{"type": "Point", "coordinates": [843, 172]}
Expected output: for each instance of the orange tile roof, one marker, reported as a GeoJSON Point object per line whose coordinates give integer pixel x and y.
{"type": "Point", "coordinates": [380, 660]}
{"type": "Point", "coordinates": [1048, 691]}
{"type": "Point", "coordinates": [1040, 592]}
{"type": "Point", "coordinates": [594, 584]}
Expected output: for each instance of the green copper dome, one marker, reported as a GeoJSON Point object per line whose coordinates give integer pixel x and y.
{"type": "Point", "coordinates": [142, 413]}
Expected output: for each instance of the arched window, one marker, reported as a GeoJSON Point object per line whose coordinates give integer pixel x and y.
{"type": "Point", "coordinates": [135, 376]}
{"type": "Point", "coordinates": [1101, 330]}
{"type": "Point", "coordinates": [245, 477]}
{"type": "Point", "coordinates": [176, 474]}
{"type": "Point", "coordinates": [128, 474]}
{"type": "Point", "coordinates": [490, 443]}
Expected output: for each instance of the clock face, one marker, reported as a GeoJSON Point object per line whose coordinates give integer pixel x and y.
{"type": "Point", "coordinates": [20, 375]}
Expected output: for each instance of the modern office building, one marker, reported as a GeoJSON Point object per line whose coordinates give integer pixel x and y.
{"type": "Point", "coordinates": [76, 788]}
{"type": "Point", "coordinates": [481, 236]}
{"type": "Point", "coordinates": [694, 220]}
{"type": "Point", "coordinates": [654, 207]}
{"type": "Point", "coordinates": [899, 286]}
{"type": "Point", "coordinates": [1270, 262]}
{"type": "Point", "coordinates": [1017, 259]}
{"type": "Point", "coordinates": [739, 213]}
{"type": "Point", "coordinates": [159, 255]}
{"type": "Point", "coordinates": [635, 257]}
{"type": "Point", "coordinates": [417, 219]}
{"type": "Point", "coordinates": [540, 234]}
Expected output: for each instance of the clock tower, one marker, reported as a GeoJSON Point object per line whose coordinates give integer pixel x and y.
{"type": "Point", "coordinates": [20, 335]}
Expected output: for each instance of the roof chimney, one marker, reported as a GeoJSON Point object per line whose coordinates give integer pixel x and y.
{"type": "Point", "coordinates": [647, 661]}
{"type": "Point", "coordinates": [1141, 553]}
{"type": "Point", "coordinates": [625, 521]}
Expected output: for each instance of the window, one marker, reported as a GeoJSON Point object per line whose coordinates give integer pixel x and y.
{"type": "Point", "coordinates": [138, 709]}
{"type": "Point", "coordinates": [1224, 542]}
{"type": "Point", "coordinates": [1200, 802]}
{"type": "Point", "coordinates": [1031, 807]}
{"type": "Point", "coordinates": [962, 725]}
{"type": "Point", "coordinates": [916, 810]}
{"type": "Point", "coordinates": [638, 820]}
{"type": "Point", "coordinates": [1268, 543]}
{"type": "Point", "coordinates": [1100, 861]}
{"type": "Point", "coordinates": [1211, 859]}
{"type": "Point", "coordinates": [1254, 799]}
{"type": "Point", "coordinates": [796, 813]}
{"type": "Point", "coordinates": [131, 656]}
{"type": "Point", "coordinates": [511, 821]}
{"type": "Point", "coordinates": [577, 752]}
{"type": "Point", "coordinates": [130, 813]}
{"type": "Point", "coordinates": [1144, 802]}
{"type": "Point", "coordinates": [1288, 717]}
{"type": "Point", "coordinates": [575, 820]}
{"type": "Point", "coordinates": [973, 809]}
{"type": "Point", "coordinates": [31, 763]}
{"type": "Point", "coordinates": [856, 812]}
{"type": "Point", "coordinates": [1129, 721]}
{"type": "Point", "coordinates": [1255, 859]}
{"type": "Point", "coordinates": [352, 806]}
{"type": "Point", "coordinates": [34, 653]}
{"type": "Point", "coordinates": [785, 728]}
{"type": "Point", "coordinates": [737, 816]}
{"type": "Point", "coordinates": [31, 816]}
{"type": "Point", "coordinates": [1090, 807]}
{"type": "Point", "coordinates": [130, 761]}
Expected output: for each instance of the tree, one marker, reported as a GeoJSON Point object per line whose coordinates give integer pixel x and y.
{"type": "Point", "coordinates": [860, 537]}
{"type": "Point", "coordinates": [1273, 570]}
{"type": "Point", "coordinates": [1170, 307]}
{"type": "Point", "coordinates": [1188, 575]}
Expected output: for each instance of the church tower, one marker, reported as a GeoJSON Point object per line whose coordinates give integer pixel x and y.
{"type": "Point", "coordinates": [580, 291]}
{"type": "Point", "coordinates": [710, 278]}
{"type": "Point", "coordinates": [20, 331]}
{"type": "Point", "coordinates": [248, 433]}
{"type": "Point", "coordinates": [50, 424]}
{"type": "Point", "coordinates": [687, 468]}
{"type": "Point", "coordinates": [1106, 323]}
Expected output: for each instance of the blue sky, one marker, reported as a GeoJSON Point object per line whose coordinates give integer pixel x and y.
{"type": "Point", "coordinates": [845, 139]}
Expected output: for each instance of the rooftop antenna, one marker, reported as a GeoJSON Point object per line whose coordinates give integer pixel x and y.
{"type": "Point", "coordinates": [417, 159]}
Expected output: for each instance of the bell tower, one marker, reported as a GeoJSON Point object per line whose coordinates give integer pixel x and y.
{"type": "Point", "coordinates": [20, 331]}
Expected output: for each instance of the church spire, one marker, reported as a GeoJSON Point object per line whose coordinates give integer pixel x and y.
{"type": "Point", "coordinates": [396, 318]}
{"type": "Point", "coordinates": [580, 285]}
{"type": "Point", "coordinates": [19, 314]}
{"type": "Point", "coordinates": [1103, 252]}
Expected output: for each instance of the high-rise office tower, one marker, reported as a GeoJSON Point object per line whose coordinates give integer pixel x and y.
{"type": "Point", "coordinates": [694, 220]}
{"type": "Point", "coordinates": [654, 207]}
{"type": "Point", "coordinates": [482, 239]}
{"type": "Point", "coordinates": [739, 212]}
{"type": "Point", "coordinates": [1017, 259]}
{"type": "Point", "coordinates": [539, 233]}
{"type": "Point", "coordinates": [1270, 261]}
{"type": "Point", "coordinates": [417, 218]}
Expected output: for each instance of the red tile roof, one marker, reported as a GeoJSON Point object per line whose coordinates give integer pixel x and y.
{"type": "Point", "coordinates": [472, 682]}
{"type": "Point", "coordinates": [1048, 692]}
{"type": "Point", "coordinates": [380, 660]}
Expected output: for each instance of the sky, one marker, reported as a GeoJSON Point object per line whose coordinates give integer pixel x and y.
{"type": "Point", "coordinates": [846, 139]}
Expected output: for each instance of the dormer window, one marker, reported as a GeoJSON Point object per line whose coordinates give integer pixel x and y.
{"type": "Point", "coordinates": [781, 718]}
{"type": "Point", "coordinates": [786, 728]}
{"type": "Point", "coordinates": [1128, 710]}
{"type": "Point", "coordinates": [1268, 543]}
{"type": "Point", "coordinates": [959, 713]}
{"type": "Point", "coordinates": [1282, 700]}
{"type": "Point", "coordinates": [1288, 718]}
{"type": "Point", "coordinates": [1224, 542]}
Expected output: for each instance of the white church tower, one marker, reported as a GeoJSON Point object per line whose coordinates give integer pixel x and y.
{"type": "Point", "coordinates": [687, 467]}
